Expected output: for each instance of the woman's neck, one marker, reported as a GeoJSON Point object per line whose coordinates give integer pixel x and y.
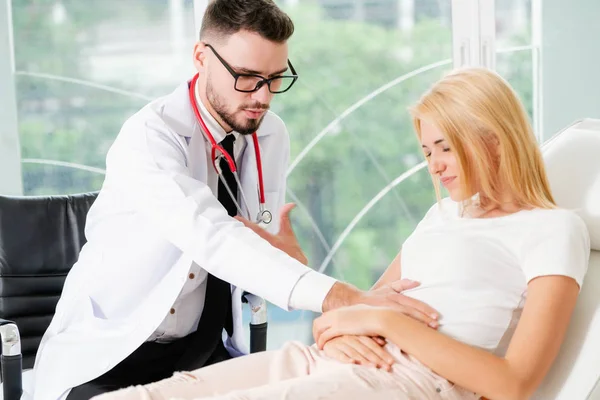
{"type": "Point", "coordinates": [481, 207]}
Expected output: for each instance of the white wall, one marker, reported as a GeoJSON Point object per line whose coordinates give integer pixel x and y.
{"type": "Point", "coordinates": [570, 61]}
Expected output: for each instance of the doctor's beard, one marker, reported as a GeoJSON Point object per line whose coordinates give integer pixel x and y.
{"type": "Point", "coordinates": [249, 126]}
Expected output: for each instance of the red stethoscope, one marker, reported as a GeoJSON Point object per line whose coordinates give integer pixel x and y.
{"type": "Point", "coordinates": [217, 152]}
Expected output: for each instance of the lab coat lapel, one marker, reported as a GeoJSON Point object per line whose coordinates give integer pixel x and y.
{"type": "Point", "coordinates": [197, 160]}
{"type": "Point", "coordinates": [179, 113]}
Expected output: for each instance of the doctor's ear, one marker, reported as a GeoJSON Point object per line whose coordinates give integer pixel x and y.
{"type": "Point", "coordinates": [200, 50]}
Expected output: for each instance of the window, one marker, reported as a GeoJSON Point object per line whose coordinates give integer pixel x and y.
{"type": "Point", "coordinates": [356, 173]}
{"type": "Point", "coordinates": [81, 70]}
{"type": "Point", "coordinates": [517, 57]}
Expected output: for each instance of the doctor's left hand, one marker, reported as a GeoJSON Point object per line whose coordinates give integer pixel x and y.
{"type": "Point", "coordinates": [285, 240]}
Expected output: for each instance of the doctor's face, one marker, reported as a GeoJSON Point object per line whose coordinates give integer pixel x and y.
{"type": "Point", "coordinates": [241, 53]}
{"type": "Point", "coordinates": [442, 163]}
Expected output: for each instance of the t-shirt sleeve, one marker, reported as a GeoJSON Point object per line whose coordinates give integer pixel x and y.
{"type": "Point", "coordinates": [559, 246]}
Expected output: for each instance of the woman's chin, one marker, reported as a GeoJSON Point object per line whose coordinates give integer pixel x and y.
{"type": "Point", "coordinates": [456, 195]}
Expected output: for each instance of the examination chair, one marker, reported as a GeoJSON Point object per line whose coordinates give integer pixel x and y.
{"type": "Point", "coordinates": [573, 164]}
{"type": "Point", "coordinates": [40, 240]}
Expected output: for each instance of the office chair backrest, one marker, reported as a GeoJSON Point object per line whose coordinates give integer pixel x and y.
{"type": "Point", "coordinates": [40, 240]}
{"type": "Point", "coordinates": [572, 159]}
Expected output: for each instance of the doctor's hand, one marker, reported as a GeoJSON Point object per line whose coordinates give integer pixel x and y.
{"type": "Point", "coordinates": [387, 296]}
{"type": "Point", "coordinates": [285, 240]}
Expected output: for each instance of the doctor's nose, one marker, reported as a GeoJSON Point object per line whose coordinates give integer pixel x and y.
{"type": "Point", "coordinates": [263, 95]}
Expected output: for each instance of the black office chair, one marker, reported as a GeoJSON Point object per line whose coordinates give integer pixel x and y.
{"type": "Point", "coordinates": [40, 240]}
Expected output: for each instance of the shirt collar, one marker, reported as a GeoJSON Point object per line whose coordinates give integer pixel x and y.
{"type": "Point", "coordinates": [216, 130]}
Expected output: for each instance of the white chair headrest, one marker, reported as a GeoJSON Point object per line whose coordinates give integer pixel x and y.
{"type": "Point", "coordinates": [572, 160]}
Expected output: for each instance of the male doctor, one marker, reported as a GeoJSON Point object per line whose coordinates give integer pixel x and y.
{"type": "Point", "coordinates": [162, 273]}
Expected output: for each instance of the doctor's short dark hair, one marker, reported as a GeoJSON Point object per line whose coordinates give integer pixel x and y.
{"type": "Point", "coordinates": [223, 18]}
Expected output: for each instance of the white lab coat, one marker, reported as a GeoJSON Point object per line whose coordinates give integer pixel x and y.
{"type": "Point", "coordinates": [153, 218]}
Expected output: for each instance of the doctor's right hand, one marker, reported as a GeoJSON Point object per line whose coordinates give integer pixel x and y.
{"type": "Point", "coordinates": [285, 240]}
{"type": "Point", "coordinates": [342, 294]}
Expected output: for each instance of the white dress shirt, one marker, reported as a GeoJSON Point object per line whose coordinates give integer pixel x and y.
{"type": "Point", "coordinates": [184, 316]}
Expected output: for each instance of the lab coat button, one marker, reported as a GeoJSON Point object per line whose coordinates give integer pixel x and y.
{"type": "Point", "coordinates": [172, 311]}
{"type": "Point", "coordinates": [192, 276]}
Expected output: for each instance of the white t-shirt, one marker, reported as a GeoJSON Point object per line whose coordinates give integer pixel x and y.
{"type": "Point", "coordinates": [474, 271]}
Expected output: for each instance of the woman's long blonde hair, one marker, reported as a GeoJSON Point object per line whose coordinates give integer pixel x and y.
{"type": "Point", "coordinates": [487, 128]}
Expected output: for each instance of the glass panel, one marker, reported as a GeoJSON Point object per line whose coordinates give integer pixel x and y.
{"type": "Point", "coordinates": [359, 63]}
{"type": "Point", "coordinates": [82, 70]}
{"type": "Point", "coordinates": [514, 58]}
{"type": "Point", "coordinates": [517, 68]}
{"type": "Point", "coordinates": [513, 23]}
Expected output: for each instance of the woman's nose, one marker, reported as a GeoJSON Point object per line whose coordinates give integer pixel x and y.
{"type": "Point", "coordinates": [436, 167]}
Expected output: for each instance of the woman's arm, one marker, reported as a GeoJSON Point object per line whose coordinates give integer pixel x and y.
{"type": "Point", "coordinates": [533, 348]}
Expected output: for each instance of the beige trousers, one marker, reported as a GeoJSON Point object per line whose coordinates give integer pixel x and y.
{"type": "Point", "coordinates": [299, 372]}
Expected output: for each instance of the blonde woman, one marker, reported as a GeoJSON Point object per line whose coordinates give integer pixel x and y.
{"type": "Point", "coordinates": [500, 262]}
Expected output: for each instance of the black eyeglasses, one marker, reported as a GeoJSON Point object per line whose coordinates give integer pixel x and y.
{"type": "Point", "coordinates": [249, 83]}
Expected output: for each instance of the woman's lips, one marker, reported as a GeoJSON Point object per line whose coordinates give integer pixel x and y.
{"type": "Point", "coordinates": [447, 180]}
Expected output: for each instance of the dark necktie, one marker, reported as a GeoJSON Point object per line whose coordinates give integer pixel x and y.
{"type": "Point", "coordinates": [217, 305]}
{"type": "Point", "coordinates": [222, 193]}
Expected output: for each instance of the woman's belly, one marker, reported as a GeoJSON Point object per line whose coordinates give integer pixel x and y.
{"type": "Point", "coordinates": [478, 316]}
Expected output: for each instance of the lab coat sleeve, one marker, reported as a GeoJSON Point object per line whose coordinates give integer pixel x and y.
{"type": "Point", "coordinates": [147, 165]}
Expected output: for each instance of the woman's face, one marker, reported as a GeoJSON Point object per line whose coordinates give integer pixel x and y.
{"type": "Point", "coordinates": [443, 164]}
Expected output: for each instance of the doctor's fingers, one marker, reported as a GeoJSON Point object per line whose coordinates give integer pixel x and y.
{"type": "Point", "coordinates": [407, 301]}
{"type": "Point", "coordinates": [403, 284]}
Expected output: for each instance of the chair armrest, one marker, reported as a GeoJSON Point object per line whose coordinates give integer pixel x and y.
{"type": "Point", "coordinates": [12, 360]}
{"type": "Point", "coordinates": [11, 340]}
{"type": "Point", "coordinates": [258, 308]}
{"type": "Point", "coordinates": [258, 322]}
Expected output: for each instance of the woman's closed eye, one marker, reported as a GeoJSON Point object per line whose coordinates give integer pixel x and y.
{"type": "Point", "coordinates": [427, 155]}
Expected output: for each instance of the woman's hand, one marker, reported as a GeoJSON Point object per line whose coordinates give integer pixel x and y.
{"type": "Point", "coordinates": [363, 350]}
{"type": "Point", "coordinates": [357, 320]}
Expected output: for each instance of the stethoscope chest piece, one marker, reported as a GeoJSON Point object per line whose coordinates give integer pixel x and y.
{"type": "Point", "coordinates": [265, 217]}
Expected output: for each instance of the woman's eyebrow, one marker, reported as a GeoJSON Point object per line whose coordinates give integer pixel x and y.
{"type": "Point", "coordinates": [436, 142]}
